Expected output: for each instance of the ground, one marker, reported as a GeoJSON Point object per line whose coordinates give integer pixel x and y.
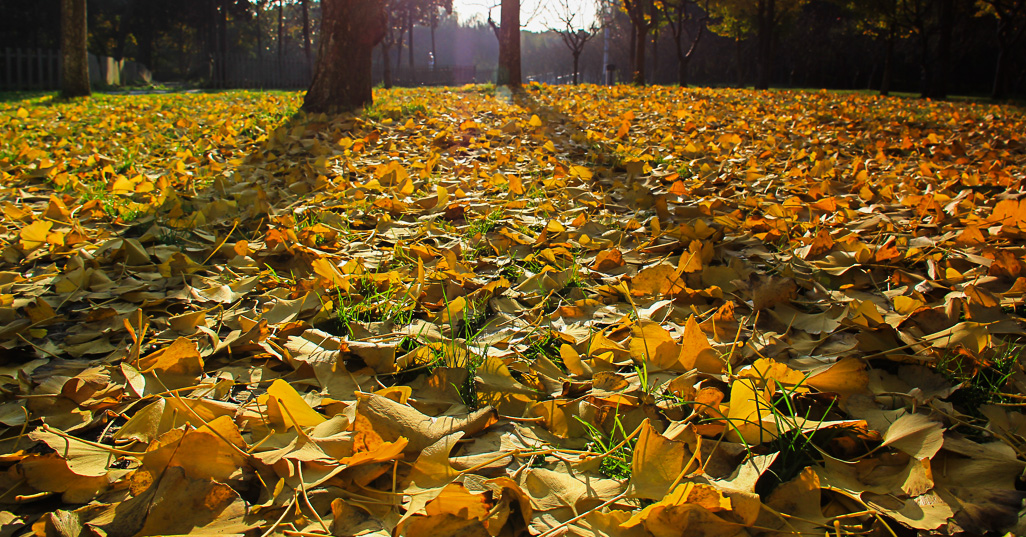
{"type": "Point", "coordinates": [579, 310]}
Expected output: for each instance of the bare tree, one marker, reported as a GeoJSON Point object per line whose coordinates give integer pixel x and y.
{"type": "Point", "coordinates": [643, 18]}
{"type": "Point", "coordinates": [574, 35]}
{"type": "Point", "coordinates": [687, 28]}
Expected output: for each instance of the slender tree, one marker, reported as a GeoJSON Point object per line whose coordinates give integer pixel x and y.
{"type": "Point", "coordinates": [643, 17]}
{"type": "Point", "coordinates": [307, 45]}
{"type": "Point", "coordinates": [572, 30]}
{"type": "Point", "coordinates": [687, 28]}
{"type": "Point", "coordinates": [281, 31]}
{"type": "Point", "coordinates": [350, 29]}
{"type": "Point", "coordinates": [74, 34]}
{"type": "Point", "coordinates": [1011, 28]}
{"type": "Point", "coordinates": [763, 17]}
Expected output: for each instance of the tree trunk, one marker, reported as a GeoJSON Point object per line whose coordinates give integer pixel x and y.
{"type": "Point", "coordinates": [999, 91]}
{"type": "Point", "coordinates": [260, 33]}
{"type": "Point", "coordinates": [655, 56]}
{"type": "Point", "coordinates": [434, 25]}
{"type": "Point", "coordinates": [222, 38]}
{"type": "Point", "coordinates": [766, 20]}
{"type": "Point", "coordinates": [632, 53]}
{"type": "Point", "coordinates": [509, 46]}
{"type": "Point", "coordinates": [739, 59]}
{"type": "Point", "coordinates": [639, 56]}
{"type": "Point", "coordinates": [682, 71]}
{"type": "Point", "coordinates": [943, 70]}
{"type": "Point", "coordinates": [577, 59]}
{"type": "Point", "coordinates": [386, 64]}
{"type": "Point", "coordinates": [398, 45]}
{"type": "Point", "coordinates": [350, 29]}
{"type": "Point", "coordinates": [409, 27]}
{"type": "Point", "coordinates": [281, 32]}
{"type": "Point", "coordinates": [307, 45]}
{"type": "Point", "coordinates": [888, 67]}
{"type": "Point", "coordinates": [925, 66]}
{"type": "Point", "coordinates": [73, 49]}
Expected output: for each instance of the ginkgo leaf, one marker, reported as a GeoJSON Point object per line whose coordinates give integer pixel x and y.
{"type": "Point", "coordinates": [83, 459]}
{"type": "Point", "coordinates": [287, 409]}
{"type": "Point", "coordinates": [695, 351]}
{"type": "Point", "coordinates": [915, 434]}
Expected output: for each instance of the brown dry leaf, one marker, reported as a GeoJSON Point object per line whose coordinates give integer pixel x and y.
{"type": "Point", "coordinates": [175, 505]}
{"type": "Point", "coordinates": [915, 434]}
{"type": "Point", "coordinates": [201, 453]}
{"type": "Point", "coordinates": [690, 509]}
{"type": "Point", "coordinates": [659, 462]}
{"type": "Point", "coordinates": [392, 420]}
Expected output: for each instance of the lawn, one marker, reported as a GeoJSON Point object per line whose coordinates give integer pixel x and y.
{"type": "Point", "coordinates": [578, 310]}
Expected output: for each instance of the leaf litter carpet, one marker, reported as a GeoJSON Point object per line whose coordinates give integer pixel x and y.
{"type": "Point", "coordinates": [580, 311]}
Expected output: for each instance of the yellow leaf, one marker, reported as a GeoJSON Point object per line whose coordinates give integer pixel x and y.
{"type": "Point", "coordinates": [695, 351]}
{"type": "Point", "coordinates": [284, 404]}
{"type": "Point", "coordinates": [652, 344]}
{"type": "Point", "coordinates": [34, 235]}
{"type": "Point", "coordinates": [181, 358]}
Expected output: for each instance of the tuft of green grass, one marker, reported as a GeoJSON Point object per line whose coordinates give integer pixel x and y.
{"type": "Point", "coordinates": [981, 383]}
{"type": "Point", "coordinates": [372, 303]}
{"type": "Point", "coordinates": [616, 448]}
{"type": "Point", "coordinates": [484, 225]}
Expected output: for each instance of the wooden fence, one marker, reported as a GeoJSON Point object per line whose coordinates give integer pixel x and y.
{"type": "Point", "coordinates": [29, 69]}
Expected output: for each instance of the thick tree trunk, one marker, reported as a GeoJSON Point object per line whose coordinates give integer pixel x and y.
{"type": "Point", "coordinates": [766, 20]}
{"type": "Point", "coordinates": [509, 46]}
{"type": "Point", "coordinates": [641, 37]}
{"type": "Point", "coordinates": [350, 29]}
{"type": "Point", "coordinates": [73, 49]}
